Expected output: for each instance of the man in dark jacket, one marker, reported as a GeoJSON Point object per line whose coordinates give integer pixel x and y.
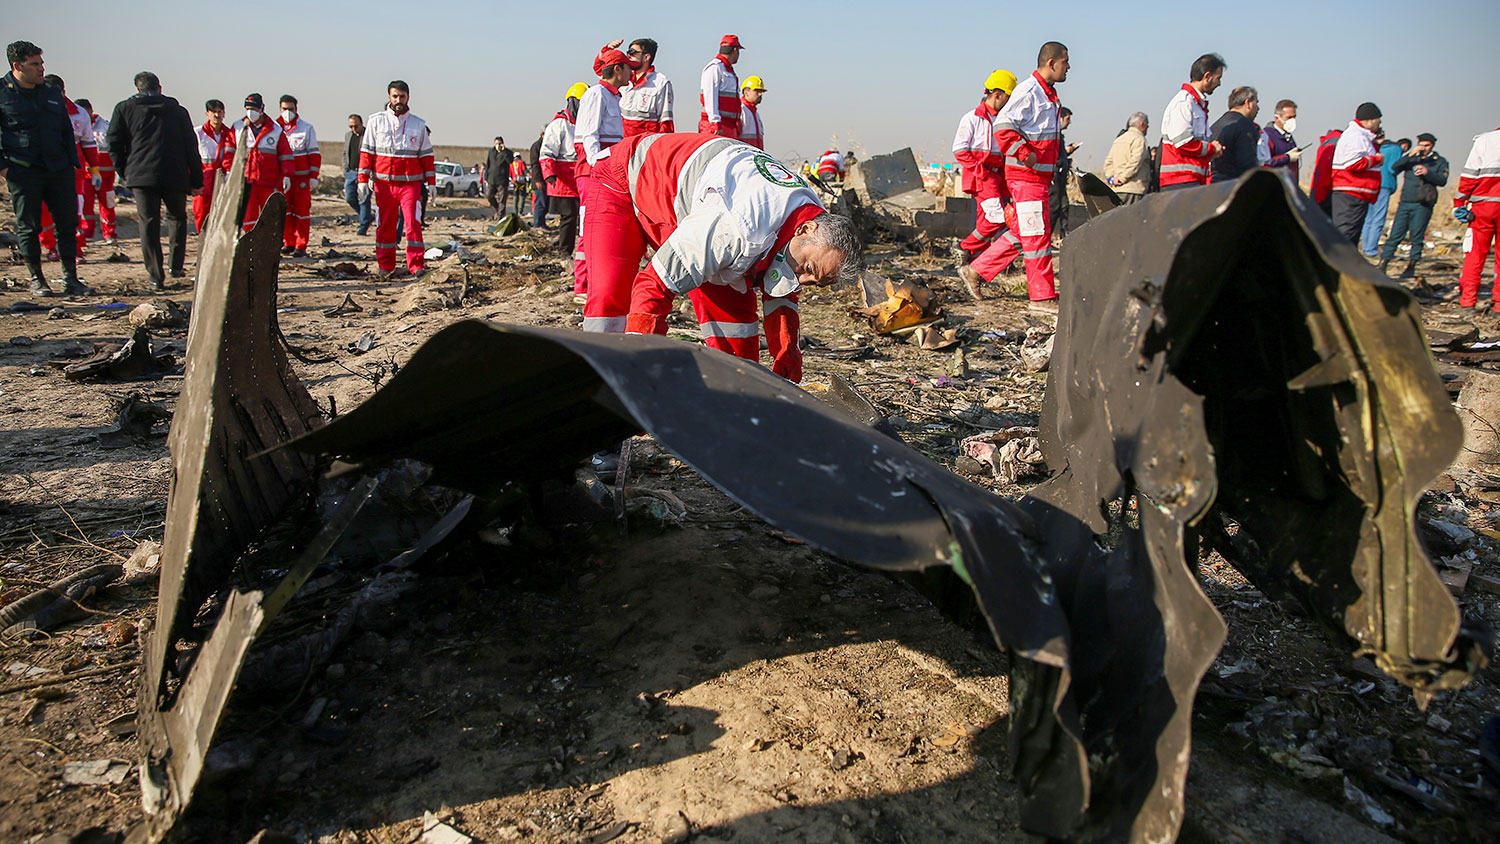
{"type": "Point", "coordinates": [1237, 131]}
{"type": "Point", "coordinates": [37, 158]}
{"type": "Point", "coordinates": [497, 175]}
{"type": "Point", "coordinates": [1426, 171]}
{"type": "Point", "coordinates": [152, 142]}
{"type": "Point", "coordinates": [1058, 190]}
{"type": "Point", "coordinates": [352, 139]}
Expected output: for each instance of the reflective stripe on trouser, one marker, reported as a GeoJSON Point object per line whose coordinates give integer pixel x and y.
{"type": "Point", "coordinates": [106, 201]}
{"type": "Point", "coordinates": [987, 224]}
{"type": "Point", "coordinates": [397, 201]}
{"type": "Point", "coordinates": [1034, 227]}
{"type": "Point", "coordinates": [581, 249]}
{"type": "Point", "coordinates": [201, 205]}
{"type": "Point", "coordinates": [1481, 242]}
{"type": "Point", "coordinates": [617, 245]}
{"type": "Point", "coordinates": [255, 199]}
{"type": "Point", "coordinates": [1002, 252]}
{"type": "Point", "coordinates": [298, 216]}
{"type": "Point", "coordinates": [88, 218]}
{"type": "Point", "coordinates": [783, 328]}
{"type": "Point", "coordinates": [48, 237]}
{"type": "Point", "coordinates": [728, 319]}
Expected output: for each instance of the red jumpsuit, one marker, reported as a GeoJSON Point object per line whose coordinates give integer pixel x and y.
{"type": "Point", "coordinates": [269, 162]}
{"type": "Point", "coordinates": [99, 205]}
{"type": "Point", "coordinates": [993, 241]}
{"type": "Point", "coordinates": [719, 215]}
{"type": "Point", "coordinates": [211, 155]}
{"type": "Point", "coordinates": [719, 99]}
{"type": "Point", "coordinates": [598, 127]}
{"type": "Point", "coordinates": [306, 159]}
{"type": "Point", "coordinates": [396, 155]}
{"type": "Point", "coordinates": [1028, 127]}
{"type": "Point", "coordinates": [1479, 188]}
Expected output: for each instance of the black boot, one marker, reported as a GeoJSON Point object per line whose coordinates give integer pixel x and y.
{"type": "Point", "coordinates": [73, 287]}
{"type": "Point", "coordinates": [1384, 263]}
{"type": "Point", "coordinates": [1410, 271]}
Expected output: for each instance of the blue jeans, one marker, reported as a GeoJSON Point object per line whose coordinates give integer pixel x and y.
{"type": "Point", "coordinates": [1411, 220]}
{"type": "Point", "coordinates": [351, 196]}
{"type": "Point", "coordinates": [539, 207]}
{"type": "Point", "coordinates": [1375, 222]}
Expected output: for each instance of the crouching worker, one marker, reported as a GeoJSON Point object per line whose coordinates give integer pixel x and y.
{"type": "Point", "coordinates": [730, 225]}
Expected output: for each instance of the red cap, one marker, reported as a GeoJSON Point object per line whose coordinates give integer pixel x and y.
{"type": "Point", "coordinates": [610, 57]}
{"type": "Point", "coordinates": [731, 41]}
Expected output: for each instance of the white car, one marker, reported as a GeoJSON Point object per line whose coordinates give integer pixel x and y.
{"type": "Point", "coordinates": [454, 179]}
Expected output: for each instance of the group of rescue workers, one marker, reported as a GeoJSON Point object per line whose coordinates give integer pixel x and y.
{"type": "Point", "coordinates": [725, 224]}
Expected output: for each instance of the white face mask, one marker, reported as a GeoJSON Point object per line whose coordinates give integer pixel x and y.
{"type": "Point", "coordinates": [252, 115]}
{"type": "Point", "coordinates": [288, 116]}
{"type": "Point", "coordinates": [1289, 124]}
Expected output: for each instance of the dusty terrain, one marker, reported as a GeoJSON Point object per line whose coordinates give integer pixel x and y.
{"type": "Point", "coordinates": [711, 678]}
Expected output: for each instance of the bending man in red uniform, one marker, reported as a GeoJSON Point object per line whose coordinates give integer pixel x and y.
{"type": "Point", "coordinates": [993, 244]}
{"type": "Point", "coordinates": [397, 164]}
{"type": "Point", "coordinates": [727, 222]}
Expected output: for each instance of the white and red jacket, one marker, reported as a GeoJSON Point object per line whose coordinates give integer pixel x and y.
{"type": "Point", "coordinates": [722, 211]}
{"type": "Point", "coordinates": [1480, 180]}
{"type": "Point", "coordinates": [270, 158]}
{"type": "Point", "coordinates": [752, 131]}
{"type": "Point", "coordinates": [83, 135]}
{"type": "Point", "coordinates": [598, 127]}
{"type": "Point", "coordinates": [1029, 125]}
{"type": "Point", "coordinates": [303, 139]}
{"type": "Point", "coordinates": [1186, 139]}
{"type": "Point", "coordinates": [100, 128]}
{"type": "Point", "coordinates": [396, 148]}
{"type": "Point", "coordinates": [719, 92]}
{"type": "Point", "coordinates": [830, 164]}
{"type": "Point", "coordinates": [211, 150]}
{"type": "Point", "coordinates": [559, 155]}
{"type": "Point", "coordinates": [1356, 163]}
{"type": "Point", "coordinates": [646, 104]}
{"type": "Point", "coordinates": [974, 147]}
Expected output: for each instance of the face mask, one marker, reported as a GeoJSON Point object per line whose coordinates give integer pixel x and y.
{"type": "Point", "coordinates": [398, 108]}
{"type": "Point", "coordinates": [1289, 124]}
{"type": "Point", "coordinates": [252, 115]}
{"type": "Point", "coordinates": [288, 116]}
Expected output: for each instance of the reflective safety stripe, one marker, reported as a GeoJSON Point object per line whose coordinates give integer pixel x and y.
{"type": "Point", "coordinates": [385, 246]}
{"type": "Point", "coordinates": [1185, 136]}
{"type": "Point", "coordinates": [989, 238]}
{"type": "Point", "coordinates": [604, 324]}
{"type": "Point", "coordinates": [392, 152]}
{"type": "Point", "coordinates": [1481, 172]}
{"type": "Point", "coordinates": [299, 217]}
{"type": "Point", "coordinates": [1039, 253]}
{"type": "Point", "coordinates": [1185, 168]}
{"type": "Point", "coordinates": [638, 160]}
{"type": "Point", "coordinates": [687, 180]}
{"type": "Point", "coordinates": [670, 269]}
{"type": "Point", "coordinates": [1010, 238]}
{"type": "Point", "coordinates": [772, 304]}
{"type": "Point", "coordinates": [399, 177]}
{"type": "Point", "coordinates": [730, 330]}
{"type": "Point", "coordinates": [1484, 199]}
{"type": "Point", "coordinates": [415, 245]}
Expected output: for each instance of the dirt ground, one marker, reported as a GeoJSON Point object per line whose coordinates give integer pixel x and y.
{"type": "Point", "coordinates": [710, 678]}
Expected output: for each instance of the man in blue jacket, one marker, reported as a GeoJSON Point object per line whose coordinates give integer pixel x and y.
{"type": "Point", "coordinates": [1375, 218]}
{"type": "Point", "coordinates": [1426, 171]}
{"type": "Point", "coordinates": [37, 158]}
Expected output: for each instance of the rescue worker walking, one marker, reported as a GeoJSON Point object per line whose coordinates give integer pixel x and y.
{"type": "Point", "coordinates": [727, 222]}
{"type": "Point", "coordinates": [397, 166]}
{"type": "Point", "coordinates": [269, 163]}
{"type": "Point", "coordinates": [558, 157]}
{"type": "Point", "coordinates": [992, 245]}
{"type": "Point", "coordinates": [211, 135]}
{"type": "Point", "coordinates": [1477, 203]}
{"type": "Point", "coordinates": [719, 91]}
{"type": "Point", "coordinates": [1028, 131]}
{"type": "Point", "coordinates": [1356, 172]}
{"type": "Point", "coordinates": [307, 161]}
{"type": "Point", "coordinates": [599, 127]}
{"type": "Point", "coordinates": [99, 202]}
{"type": "Point", "coordinates": [646, 103]}
{"type": "Point", "coordinates": [1187, 146]}
{"type": "Point", "coordinates": [37, 160]}
{"type": "Point", "coordinates": [752, 131]}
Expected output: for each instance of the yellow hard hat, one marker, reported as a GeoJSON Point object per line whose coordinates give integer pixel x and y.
{"type": "Point", "coordinates": [754, 83]}
{"type": "Point", "coordinates": [576, 92]}
{"type": "Point", "coordinates": [1002, 80]}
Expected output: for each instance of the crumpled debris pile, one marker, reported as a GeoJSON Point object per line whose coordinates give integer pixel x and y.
{"type": "Point", "coordinates": [342, 271]}
{"type": "Point", "coordinates": [907, 306]}
{"type": "Point", "coordinates": [128, 360]}
{"type": "Point", "coordinates": [1011, 454]}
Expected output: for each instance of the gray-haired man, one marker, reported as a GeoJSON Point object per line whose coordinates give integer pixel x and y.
{"type": "Point", "coordinates": [1127, 168]}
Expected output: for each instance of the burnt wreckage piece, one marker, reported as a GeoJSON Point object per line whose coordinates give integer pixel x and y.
{"type": "Point", "coordinates": [1228, 372]}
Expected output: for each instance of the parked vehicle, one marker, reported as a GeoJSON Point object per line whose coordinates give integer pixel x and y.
{"type": "Point", "coordinates": [453, 179]}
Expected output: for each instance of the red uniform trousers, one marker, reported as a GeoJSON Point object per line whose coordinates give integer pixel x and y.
{"type": "Point", "coordinates": [1481, 244]}
{"type": "Point", "coordinates": [403, 198]}
{"type": "Point", "coordinates": [581, 248]}
{"type": "Point", "coordinates": [730, 127]}
{"type": "Point", "coordinates": [1003, 247]}
{"type": "Point", "coordinates": [255, 200]}
{"type": "Point", "coordinates": [49, 229]}
{"type": "Point", "coordinates": [99, 206]}
{"type": "Point", "coordinates": [727, 318]}
{"type": "Point", "coordinates": [204, 200]}
{"type": "Point", "coordinates": [298, 215]}
{"type": "Point", "coordinates": [1034, 227]}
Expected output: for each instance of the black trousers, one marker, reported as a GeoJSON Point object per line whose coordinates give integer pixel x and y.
{"type": "Point", "coordinates": [1349, 215]}
{"type": "Point", "coordinates": [567, 222]}
{"type": "Point", "coordinates": [148, 207]}
{"type": "Point", "coordinates": [30, 189]}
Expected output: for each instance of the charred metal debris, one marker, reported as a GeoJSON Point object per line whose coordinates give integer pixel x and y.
{"type": "Point", "coordinates": [1228, 374]}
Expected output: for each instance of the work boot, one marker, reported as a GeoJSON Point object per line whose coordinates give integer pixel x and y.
{"type": "Point", "coordinates": [73, 287]}
{"type": "Point", "coordinates": [299, 253]}
{"type": "Point", "coordinates": [1384, 263]}
{"type": "Point", "coordinates": [972, 280]}
{"type": "Point", "coordinates": [606, 464]}
{"type": "Point", "coordinates": [1043, 306]}
{"type": "Point", "coordinates": [1410, 271]}
{"type": "Point", "coordinates": [39, 287]}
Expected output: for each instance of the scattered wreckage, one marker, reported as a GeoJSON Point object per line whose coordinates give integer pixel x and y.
{"type": "Point", "coordinates": [1228, 375]}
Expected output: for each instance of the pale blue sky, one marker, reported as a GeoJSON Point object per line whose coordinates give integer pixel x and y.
{"type": "Point", "coordinates": [878, 75]}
